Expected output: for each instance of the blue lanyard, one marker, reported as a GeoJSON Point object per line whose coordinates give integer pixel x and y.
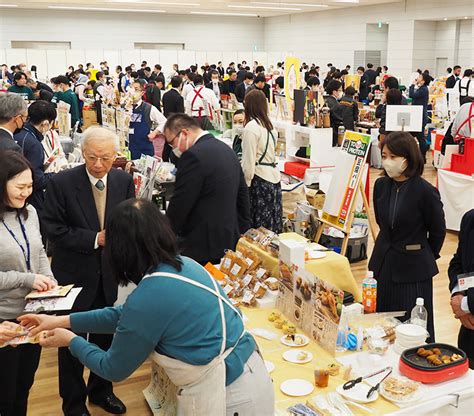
{"type": "Point", "coordinates": [27, 252]}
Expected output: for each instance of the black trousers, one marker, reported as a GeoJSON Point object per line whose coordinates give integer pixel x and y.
{"type": "Point", "coordinates": [17, 372]}
{"type": "Point", "coordinates": [72, 387]}
{"type": "Point", "coordinates": [466, 343]}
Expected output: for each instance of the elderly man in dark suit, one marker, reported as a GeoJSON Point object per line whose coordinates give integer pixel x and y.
{"type": "Point", "coordinates": [210, 206]}
{"type": "Point", "coordinates": [78, 203]}
{"type": "Point", "coordinates": [462, 301]}
{"type": "Point", "coordinates": [13, 115]}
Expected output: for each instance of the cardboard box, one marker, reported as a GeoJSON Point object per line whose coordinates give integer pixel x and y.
{"type": "Point", "coordinates": [89, 118]}
{"type": "Point", "coordinates": [316, 198]}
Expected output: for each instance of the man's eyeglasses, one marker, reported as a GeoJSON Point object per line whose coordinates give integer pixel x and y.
{"type": "Point", "coordinates": [23, 117]}
{"type": "Point", "coordinates": [95, 159]}
{"type": "Point", "coordinates": [174, 138]}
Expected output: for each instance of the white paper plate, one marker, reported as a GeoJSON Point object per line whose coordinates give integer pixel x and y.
{"type": "Point", "coordinates": [416, 396]}
{"type": "Point", "coordinates": [290, 343]}
{"type": "Point", "coordinates": [296, 387]}
{"type": "Point", "coordinates": [270, 366]}
{"type": "Point", "coordinates": [292, 356]}
{"type": "Point", "coordinates": [358, 393]}
{"type": "Point", "coordinates": [314, 254]}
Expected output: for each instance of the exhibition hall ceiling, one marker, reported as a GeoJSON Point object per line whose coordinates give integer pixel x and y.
{"type": "Point", "coordinates": [242, 8]}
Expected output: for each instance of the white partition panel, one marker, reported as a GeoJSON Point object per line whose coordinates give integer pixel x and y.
{"type": "Point", "coordinates": [274, 57]}
{"type": "Point", "coordinates": [228, 57]}
{"type": "Point", "coordinates": [151, 56]}
{"type": "Point", "coordinates": [3, 58]}
{"type": "Point", "coordinates": [113, 59]}
{"type": "Point", "coordinates": [57, 63]}
{"type": "Point", "coordinates": [167, 59]}
{"type": "Point", "coordinates": [261, 58]}
{"type": "Point", "coordinates": [94, 56]}
{"type": "Point", "coordinates": [213, 57]}
{"type": "Point", "coordinates": [39, 58]}
{"type": "Point", "coordinates": [186, 59]}
{"type": "Point", "coordinates": [75, 57]}
{"type": "Point", "coordinates": [15, 56]}
{"type": "Point", "coordinates": [201, 57]}
{"type": "Point", "coordinates": [129, 57]}
{"type": "Point", "coordinates": [245, 56]}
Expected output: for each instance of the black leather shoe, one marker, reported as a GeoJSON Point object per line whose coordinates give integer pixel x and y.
{"type": "Point", "coordinates": [111, 404]}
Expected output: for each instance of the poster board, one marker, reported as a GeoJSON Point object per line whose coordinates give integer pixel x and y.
{"type": "Point", "coordinates": [352, 81]}
{"type": "Point", "coordinates": [292, 77]}
{"type": "Point", "coordinates": [404, 118]}
{"type": "Point", "coordinates": [311, 303]}
{"type": "Point", "coordinates": [347, 176]}
{"type": "Point", "coordinates": [64, 119]}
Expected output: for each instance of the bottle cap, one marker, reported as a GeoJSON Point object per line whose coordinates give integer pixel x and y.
{"type": "Point", "coordinates": [370, 274]}
{"type": "Point", "coordinates": [420, 301]}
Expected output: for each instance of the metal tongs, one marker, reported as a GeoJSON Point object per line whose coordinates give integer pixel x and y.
{"type": "Point", "coordinates": [351, 383]}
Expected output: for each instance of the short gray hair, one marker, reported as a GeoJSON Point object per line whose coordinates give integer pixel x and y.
{"type": "Point", "coordinates": [11, 105]}
{"type": "Point", "coordinates": [97, 133]}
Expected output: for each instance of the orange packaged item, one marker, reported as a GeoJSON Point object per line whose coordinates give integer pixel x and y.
{"type": "Point", "coordinates": [227, 261]}
{"type": "Point", "coordinates": [214, 272]}
{"type": "Point", "coordinates": [259, 290]}
{"type": "Point", "coordinates": [238, 268]}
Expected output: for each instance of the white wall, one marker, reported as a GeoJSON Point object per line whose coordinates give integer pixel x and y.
{"type": "Point", "coordinates": [424, 46]}
{"type": "Point", "coordinates": [93, 30]}
{"type": "Point", "coordinates": [466, 36]}
{"type": "Point", "coordinates": [376, 39]}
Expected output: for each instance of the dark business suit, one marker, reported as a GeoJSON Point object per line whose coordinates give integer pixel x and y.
{"type": "Point", "coordinates": [421, 96]}
{"type": "Point", "coordinates": [173, 102]}
{"type": "Point", "coordinates": [229, 86]}
{"type": "Point", "coordinates": [210, 86]}
{"type": "Point", "coordinates": [451, 81]}
{"type": "Point", "coordinates": [210, 205]}
{"type": "Point", "coordinates": [240, 92]}
{"type": "Point", "coordinates": [412, 231]}
{"type": "Point", "coordinates": [461, 263]}
{"type": "Point", "coordinates": [241, 75]}
{"type": "Point", "coordinates": [71, 223]}
{"type": "Point", "coordinates": [371, 77]}
{"type": "Point", "coordinates": [7, 142]}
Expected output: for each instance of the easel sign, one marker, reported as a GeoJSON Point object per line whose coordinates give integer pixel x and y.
{"type": "Point", "coordinates": [64, 119]}
{"type": "Point", "coordinates": [339, 207]}
{"type": "Point", "coordinates": [404, 118]}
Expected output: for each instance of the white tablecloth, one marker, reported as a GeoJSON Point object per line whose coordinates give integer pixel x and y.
{"type": "Point", "coordinates": [457, 194]}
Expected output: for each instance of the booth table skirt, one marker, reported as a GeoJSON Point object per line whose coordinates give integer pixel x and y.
{"type": "Point", "coordinates": [457, 195]}
{"type": "Point", "coordinates": [333, 268]}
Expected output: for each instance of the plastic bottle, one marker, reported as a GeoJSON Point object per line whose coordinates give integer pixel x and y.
{"type": "Point", "coordinates": [369, 293]}
{"type": "Point", "coordinates": [419, 314]}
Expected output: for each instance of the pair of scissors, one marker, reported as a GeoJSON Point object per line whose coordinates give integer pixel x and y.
{"type": "Point", "coordinates": [351, 383]}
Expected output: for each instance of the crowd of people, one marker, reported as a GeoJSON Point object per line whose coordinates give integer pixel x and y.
{"type": "Point", "coordinates": [100, 236]}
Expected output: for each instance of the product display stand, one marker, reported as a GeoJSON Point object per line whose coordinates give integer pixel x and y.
{"type": "Point", "coordinates": [348, 225]}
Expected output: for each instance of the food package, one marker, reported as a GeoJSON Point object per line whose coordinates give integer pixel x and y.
{"type": "Point", "coordinates": [238, 267]}
{"type": "Point", "coordinates": [260, 289]}
{"type": "Point", "coordinates": [227, 262]}
{"type": "Point", "coordinates": [252, 260]}
{"type": "Point", "coordinates": [262, 274]}
{"type": "Point", "coordinates": [249, 298]}
{"type": "Point", "coordinates": [272, 283]}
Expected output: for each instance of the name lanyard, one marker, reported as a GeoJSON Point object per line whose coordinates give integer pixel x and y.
{"type": "Point", "coordinates": [27, 252]}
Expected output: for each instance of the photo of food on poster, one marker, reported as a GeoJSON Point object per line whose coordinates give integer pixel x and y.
{"type": "Point", "coordinates": [304, 291]}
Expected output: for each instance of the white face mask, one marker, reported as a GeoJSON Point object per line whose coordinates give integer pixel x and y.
{"type": "Point", "coordinates": [339, 95]}
{"type": "Point", "coordinates": [238, 128]}
{"type": "Point", "coordinates": [395, 167]}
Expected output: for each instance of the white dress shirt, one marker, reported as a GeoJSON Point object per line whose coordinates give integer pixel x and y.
{"type": "Point", "coordinates": [464, 304]}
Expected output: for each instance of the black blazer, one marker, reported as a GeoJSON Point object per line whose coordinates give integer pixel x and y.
{"type": "Point", "coordinates": [71, 224]}
{"type": "Point", "coordinates": [413, 245]}
{"type": "Point", "coordinates": [210, 205]}
{"type": "Point", "coordinates": [173, 102]}
{"type": "Point", "coordinates": [7, 142]}
{"type": "Point", "coordinates": [451, 81]}
{"type": "Point", "coordinates": [210, 86]}
{"type": "Point", "coordinates": [240, 92]}
{"type": "Point", "coordinates": [229, 86]}
{"type": "Point", "coordinates": [463, 261]}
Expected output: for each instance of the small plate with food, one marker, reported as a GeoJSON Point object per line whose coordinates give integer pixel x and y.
{"type": "Point", "coordinates": [297, 356]}
{"type": "Point", "coordinates": [296, 340]}
{"type": "Point", "coordinates": [400, 390]}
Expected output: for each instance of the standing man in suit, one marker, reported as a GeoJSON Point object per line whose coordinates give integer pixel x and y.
{"type": "Point", "coordinates": [220, 69]}
{"type": "Point", "coordinates": [229, 85]}
{"type": "Point", "coordinates": [462, 302]}
{"type": "Point", "coordinates": [173, 103]}
{"type": "Point", "coordinates": [371, 75]}
{"type": "Point", "coordinates": [78, 203]}
{"type": "Point", "coordinates": [215, 85]}
{"type": "Point", "coordinates": [13, 115]}
{"type": "Point", "coordinates": [241, 89]}
{"type": "Point", "coordinates": [455, 77]}
{"type": "Point", "coordinates": [210, 206]}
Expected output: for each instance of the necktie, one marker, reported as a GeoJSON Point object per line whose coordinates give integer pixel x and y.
{"type": "Point", "coordinates": [100, 185]}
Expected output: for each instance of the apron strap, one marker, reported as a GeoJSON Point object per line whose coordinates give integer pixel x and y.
{"type": "Point", "coordinates": [196, 95]}
{"type": "Point", "coordinates": [458, 137]}
{"type": "Point", "coordinates": [260, 161]}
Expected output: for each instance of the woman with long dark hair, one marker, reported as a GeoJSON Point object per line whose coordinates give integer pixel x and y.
{"type": "Point", "coordinates": [23, 267]}
{"type": "Point", "coordinates": [410, 215]}
{"type": "Point", "coordinates": [259, 164]}
{"type": "Point", "coordinates": [178, 314]}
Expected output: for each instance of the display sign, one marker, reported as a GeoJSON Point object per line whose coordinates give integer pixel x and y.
{"type": "Point", "coordinates": [404, 118]}
{"type": "Point", "coordinates": [64, 119]}
{"type": "Point", "coordinates": [346, 178]}
{"type": "Point", "coordinates": [352, 81]}
{"type": "Point", "coordinates": [292, 77]}
{"type": "Point", "coordinates": [312, 303]}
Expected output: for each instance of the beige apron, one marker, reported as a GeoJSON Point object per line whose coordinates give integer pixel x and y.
{"type": "Point", "coordinates": [186, 389]}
